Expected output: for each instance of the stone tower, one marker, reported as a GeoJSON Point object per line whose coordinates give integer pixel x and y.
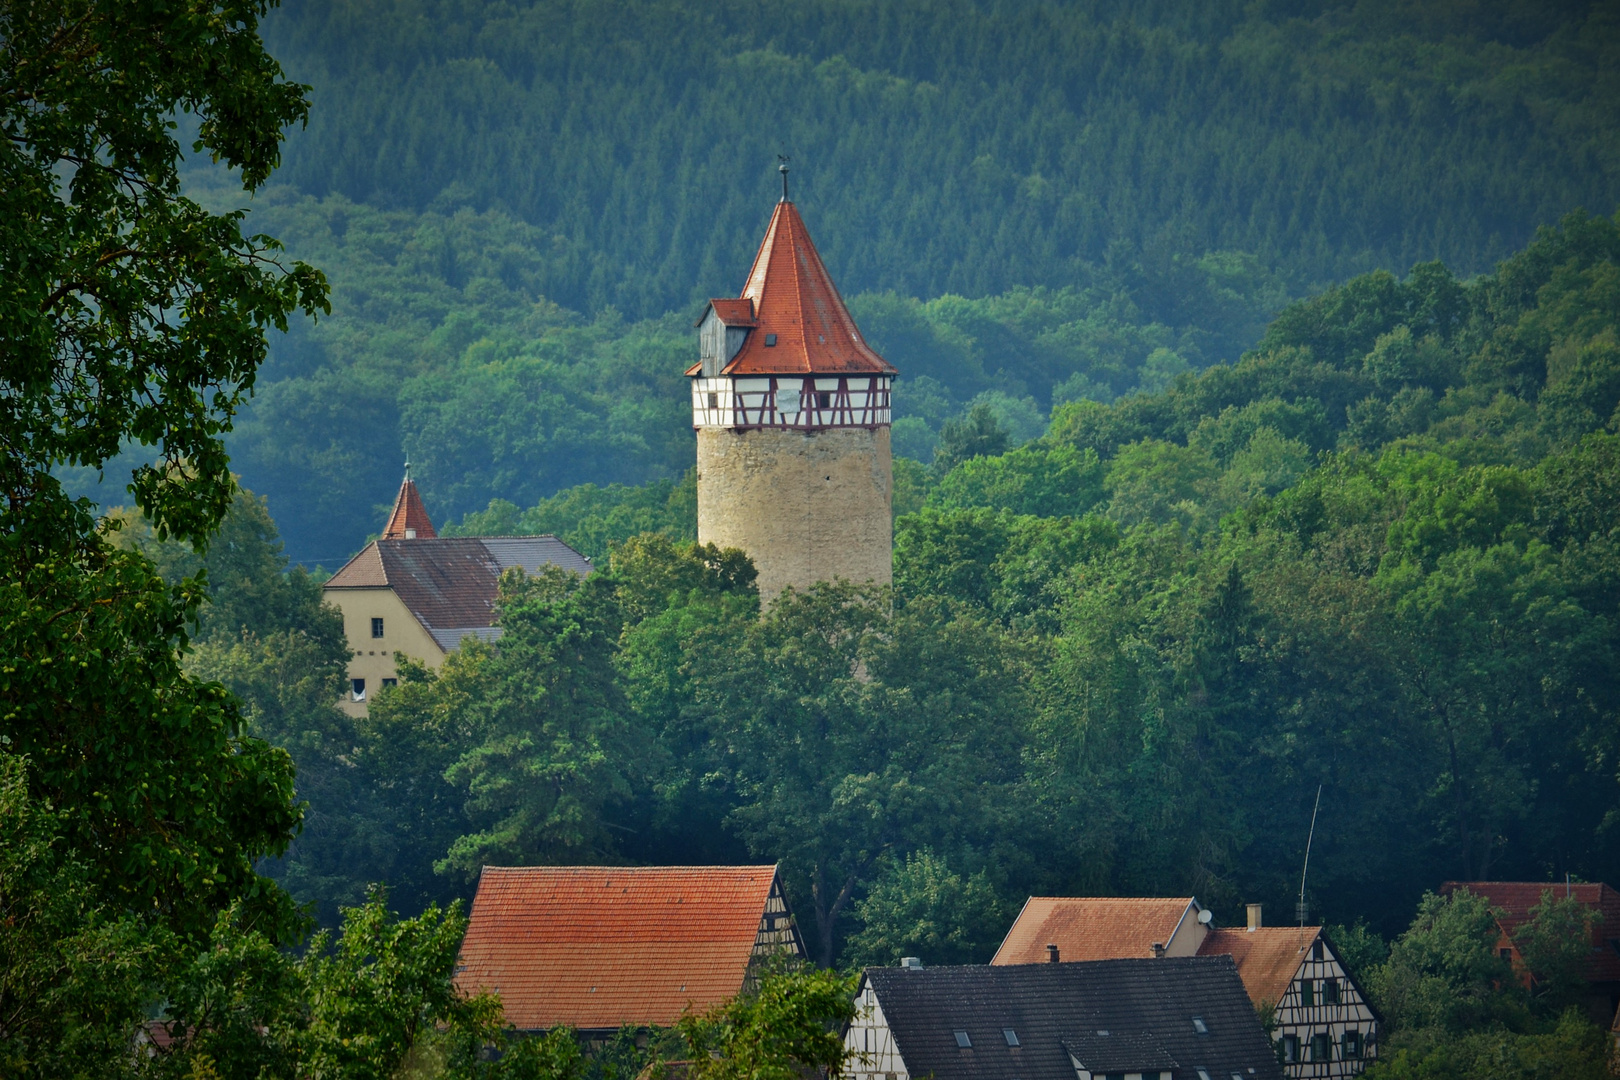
{"type": "Point", "coordinates": [791, 409]}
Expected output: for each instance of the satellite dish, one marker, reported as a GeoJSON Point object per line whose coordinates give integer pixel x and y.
{"type": "Point", "coordinates": [1206, 916]}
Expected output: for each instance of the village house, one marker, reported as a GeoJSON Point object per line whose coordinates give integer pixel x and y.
{"type": "Point", "coordinates": [1514, 902]}
{"type": "Point", "coordinates": [420, 594]}
{"type": "Point", "coordinates": [1324, 1026]}
{"type": "Point", "coordinates": [1182, 1018]}
{"type": "Point", "coordinates": [597, 948]}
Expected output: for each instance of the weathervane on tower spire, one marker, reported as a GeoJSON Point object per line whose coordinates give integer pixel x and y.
{"type": "Point", "coordinates": [783, 169]}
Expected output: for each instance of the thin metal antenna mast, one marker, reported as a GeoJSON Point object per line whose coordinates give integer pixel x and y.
{"type": "Point", "coordinates": [783, 169]}
{"type": "Point", "coordinates": [1301, 910]}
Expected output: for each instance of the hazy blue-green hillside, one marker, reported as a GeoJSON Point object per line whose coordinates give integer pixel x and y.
{"type": "Point", "coordinates": [521, 206]}
{"type": "Point", "coordinates": [958, 146]}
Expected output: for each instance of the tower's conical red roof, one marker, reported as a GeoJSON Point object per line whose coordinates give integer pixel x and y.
{"type": "Point", "coordinates": [409, 513]}
{"type": "Point", "coordinates": [795, 300]}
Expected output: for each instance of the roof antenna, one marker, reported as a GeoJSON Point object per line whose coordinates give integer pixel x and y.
{"type": "Point", "coordinates": [782, 168]}
{"type": "Point", "coordinates": [1302, 910]}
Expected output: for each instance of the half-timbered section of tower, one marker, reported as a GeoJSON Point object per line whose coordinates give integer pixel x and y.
{"type": "Point", "coordinates": [791, 408]}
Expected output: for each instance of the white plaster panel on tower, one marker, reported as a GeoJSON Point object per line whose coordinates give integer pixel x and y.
{"type": "Point", "coordinates": [805, 505]}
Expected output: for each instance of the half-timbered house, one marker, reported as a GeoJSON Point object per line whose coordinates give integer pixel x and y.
{"type": "Point", "coordinates": [599, 948]}
{"type": "Point", "coordinates": [1322, 1022]}
{"type": "Point", "coordinates": [1181, 1018]}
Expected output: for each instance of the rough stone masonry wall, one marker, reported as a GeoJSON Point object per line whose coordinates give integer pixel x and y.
{"type": "Point", "coordinates": [808, 506]}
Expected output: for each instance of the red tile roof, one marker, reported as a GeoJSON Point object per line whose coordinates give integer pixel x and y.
{"type": "Point", "coordinates": [734, 312]}
{"type": "Point", "coordinates": [793, 298]}
{"type": "Point", "coordinates": [601, 947]}
{"type": "Point", "coordinates": [1266, 958]}
{"type": "Point", "coordinates": [1091, 928]}
{"type": "Point", "coordinates": [1516, 898]}
{"type": "Point", "coordinates": [409, 513]}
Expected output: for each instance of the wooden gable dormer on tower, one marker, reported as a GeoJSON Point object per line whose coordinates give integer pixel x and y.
{"type": "Point", "coordinates": [792, 409]}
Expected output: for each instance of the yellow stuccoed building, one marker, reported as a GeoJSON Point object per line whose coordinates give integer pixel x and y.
{"type": "Point", "coordinates": [421, 594]}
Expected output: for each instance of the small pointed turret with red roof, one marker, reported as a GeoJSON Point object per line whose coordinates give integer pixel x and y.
{"type": "Point", "coordinates": [410, 520]}
{"type": "Point", "coordinates": [791, 408]}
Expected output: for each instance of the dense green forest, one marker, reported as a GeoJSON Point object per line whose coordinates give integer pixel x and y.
{"type": "Point", "coordinates": [1202, 509]}
{"type": "Point", "coordinates": [1377, 556]}
{"type": "Point", "coordinates": [1037, 202]}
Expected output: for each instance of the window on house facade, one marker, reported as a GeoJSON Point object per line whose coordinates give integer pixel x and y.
{"type": "Point", "coordinates": [1330, 991]}
{"type": "Point", "coordinates": [963, 1041]}
{"type": "Point", "coordinates": [714, 401]}
{"type": "Point", "coordinates": [1316, 949]}
{"type": "Point", "coordinates": [376, 628]}
{"type": "Point", "coordinates": [1290, 1049]}
{"type": "Point", "coordinates": [389, 682]}
{"type": "Point", "coordinates": [1350, 1044]}
{"type": "Point", "coordinates": [1307, 993]}
{"type": "Point", "coordinates": [1506, 954]}
{"type": "Point", "coordinates": [823, 399]}
{"type": "Point", "coordinates": [1321, 1047]}
{"type": "Point", "coordinates": [357, 689]}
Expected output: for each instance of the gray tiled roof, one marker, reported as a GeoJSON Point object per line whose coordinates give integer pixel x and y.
{"type": "Point", "coordinates": [1111, 1010]}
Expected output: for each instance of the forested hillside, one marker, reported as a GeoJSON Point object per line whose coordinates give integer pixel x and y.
{"type": "Point", "coordinates": [1376, 555]}
{"type": "Point", "coordinates": [962, 147]}
{"type": "Point", "coordinates": [520, 207]}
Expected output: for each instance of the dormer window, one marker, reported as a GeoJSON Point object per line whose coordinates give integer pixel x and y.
{"type": "Point", "coordinates": [1199, 1025]}
{"type": "Point", "coordinates": [963, 1041]}
{"type": "Point", "coordinates": [770, 341]}
{"type": "Point", "coordinates": [1010, 1035]}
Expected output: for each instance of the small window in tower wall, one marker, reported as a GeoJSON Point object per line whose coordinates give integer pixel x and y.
{"type": "Point", "coordinates": [823, 399]}
{"type": "Point", "coordinates": [714, 401]}
{"type": "Point", "coordinates": [376, 628]}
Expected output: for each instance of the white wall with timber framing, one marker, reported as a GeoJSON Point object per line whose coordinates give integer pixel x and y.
{"type": "Point", "coordinates": [791, 401]}
{"type": "Point", "coordinates": [869, 1040]}
{"type": "Point", "coordinates": [1324, 1027]}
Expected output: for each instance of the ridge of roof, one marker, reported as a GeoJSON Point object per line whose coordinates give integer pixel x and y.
{"type": "Point", "coordinates": [409, 520]}
{"type": "Point", "coordinates": [795, 304]}
{"type": "Point", "coordinates": [1515, 899]}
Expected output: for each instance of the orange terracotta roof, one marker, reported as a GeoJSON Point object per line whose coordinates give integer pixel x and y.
{"type": "Point", "coordinates": [409, 513]}
{"type": "Point", "coordinates": [1266, 958]}
{"type": "Point", "coordinates": [600, 947]}
{"type": "Point", "coordinates": [794, 298]}
{"type": "Point", "coordinates": [1516, 898]}
{"type": "Point", "coordinates": [1091, 928]}
{"type": "Point", "coordinates": [734, 312]}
